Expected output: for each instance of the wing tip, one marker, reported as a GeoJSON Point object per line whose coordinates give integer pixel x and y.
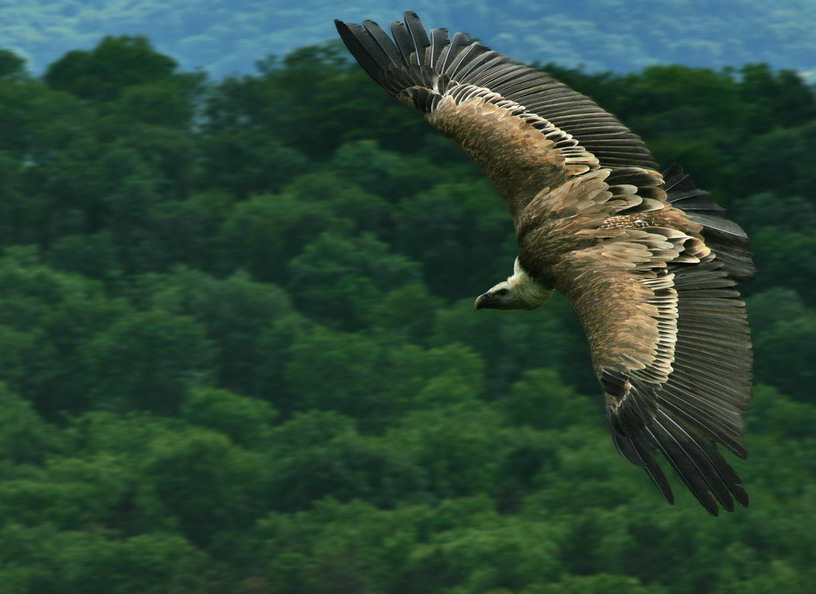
{"type": "Point", "coordinates": [342, 28]}
{"type": "Point", "coordinates": [715, 486]}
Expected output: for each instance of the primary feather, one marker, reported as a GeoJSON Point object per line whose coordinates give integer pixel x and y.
{"type": "Point", "coordinates": [648, 261]}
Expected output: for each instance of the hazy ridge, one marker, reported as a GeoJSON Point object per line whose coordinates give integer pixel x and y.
{"type": "Point", "coordinates": [223, 37]}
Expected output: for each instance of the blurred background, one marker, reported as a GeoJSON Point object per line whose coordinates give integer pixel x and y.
{"type": "Point", "coordinates": [238, 350]}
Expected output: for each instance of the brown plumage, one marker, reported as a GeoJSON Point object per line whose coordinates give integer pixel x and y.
{"type": "Point", "coordinates": [648, 261]}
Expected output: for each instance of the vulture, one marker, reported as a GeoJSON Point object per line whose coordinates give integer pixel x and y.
{"type": "Point", "coordinates": [648, 261]}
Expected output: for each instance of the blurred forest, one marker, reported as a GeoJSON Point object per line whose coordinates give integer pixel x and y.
{"type": "Point", "coordinates": [238, 350]}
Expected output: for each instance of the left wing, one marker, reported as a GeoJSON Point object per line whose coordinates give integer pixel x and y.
{"type": "Point", "coordinates": [526, 130]}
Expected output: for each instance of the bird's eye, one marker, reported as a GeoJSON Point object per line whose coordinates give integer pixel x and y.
{"type": "Point", "coordinates": [502, 292]}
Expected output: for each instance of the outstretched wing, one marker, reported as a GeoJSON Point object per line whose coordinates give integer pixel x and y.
{"type": "Point", "coordinates": [670, 344]}
{"type": "Point", "coordinates": [524, 128]}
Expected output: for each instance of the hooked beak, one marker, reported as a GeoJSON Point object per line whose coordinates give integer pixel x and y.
{"type": "Point", "coordinates": [483, 301]}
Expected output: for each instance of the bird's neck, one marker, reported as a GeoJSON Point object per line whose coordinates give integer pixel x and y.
{"type": "Point", "coordinates": [528, 289]}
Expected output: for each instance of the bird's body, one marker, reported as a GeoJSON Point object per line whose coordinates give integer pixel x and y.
{"type": "Point", "coordinates": [648, 261]}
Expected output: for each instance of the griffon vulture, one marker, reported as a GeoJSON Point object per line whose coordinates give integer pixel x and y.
{"type": "Point", "coordinates": [648, 261]}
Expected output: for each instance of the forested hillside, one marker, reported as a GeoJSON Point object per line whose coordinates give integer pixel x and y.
{"type": "Point", "coordinates": [622, 36]}
{"type": "Point", "coordinates": [239, 354]}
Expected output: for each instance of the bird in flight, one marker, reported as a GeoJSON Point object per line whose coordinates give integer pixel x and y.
{"type": "Point", "coordinates": [649, 262]}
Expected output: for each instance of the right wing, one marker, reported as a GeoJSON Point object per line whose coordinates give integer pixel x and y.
{"type": "Point", "coordinates": [670, 345]}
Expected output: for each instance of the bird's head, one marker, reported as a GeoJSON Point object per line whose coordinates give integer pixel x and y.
{"type": "Point", "coordinates": [502, 296]}
{"type": "Point", "coordinates": [517, 292]}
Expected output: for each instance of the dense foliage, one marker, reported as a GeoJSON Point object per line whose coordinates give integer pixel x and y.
{"type": "Point", "coordinates": [239, 351]}
{"type": "Point", "coordinates": [617, 35]}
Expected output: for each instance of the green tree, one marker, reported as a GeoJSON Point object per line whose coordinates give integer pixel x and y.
{"type": "Point", "coordinates": [779, 98]}
{"type": "Point", "coordinates": [596, 584]}
{"type": "Point", "coordinates": [47, 319]}
{"type": "Point", "coordinates": [446, 376]}
{"type": "Point", "coordinates": [337, 371]}
{"type": "Point", "coordinates": [369, 212]}
{"type": "Point", "coordinates": [250, 324]}
{"type": "Point", "coordinates": [263, 234]}
{"type": "Point", "coordinates": [448, 228]}
{"type": "Point", "coordinates": [247, 162]}
{"type": "Point", "coordinates": [147, 361]}
{"type": "Point", "coordinates": [318, 454]}
{"type": "Point", "coordinates": [774, 305]}
{"type": "Point", "coordinates": [460, 450]}
{"type": "Point", "coordinates": [12, 66]}
{"type": "Point", "coordinates": [104, 72]}
{"type": "Point", "coordinates": [161, 104]}
{"type": "Point", "coordinates": [783, 353]}
{"type": "Point", "coordinates": [206, 483]}
{"type": "Point", "coordinates": [24, 436]}
{"type": "Point", "coordinates": [53, 561]}
{"type": "Point", "coordinates": [768, 162]}
{"type": "Point", "coordinates": [407, 313]}
{"type": "Point", "coordinates": [498, 556]}
{"type": "Point", "coordinates": [512, 342]}
{"type": "Point", "coordinates": [539, 399]}
{"type": "Point", "coordinates": [343, 279]}
{"type": "Point", "coordinates": [246, 421]}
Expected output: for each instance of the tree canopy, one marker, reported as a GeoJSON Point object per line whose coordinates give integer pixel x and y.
{"type": "Point", "coordinates": [239, 351]}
